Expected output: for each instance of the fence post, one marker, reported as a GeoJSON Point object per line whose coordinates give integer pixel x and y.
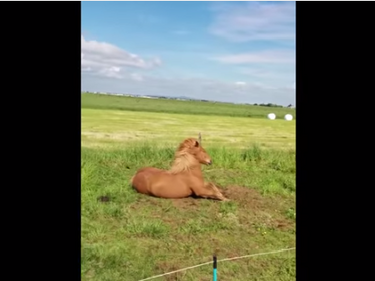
{"type": "Point", "coordinates": [215, 268]}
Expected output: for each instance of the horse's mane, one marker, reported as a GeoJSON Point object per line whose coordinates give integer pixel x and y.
{"type": "Point", "coordinates": [183, 160]}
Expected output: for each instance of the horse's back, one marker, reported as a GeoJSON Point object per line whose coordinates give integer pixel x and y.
{"type": "Point", "coordinates": [140, 180]}
{"type": "Point", "coordinates": [160, 183]}
{"type": "Point", "coordinates": [169, 185]}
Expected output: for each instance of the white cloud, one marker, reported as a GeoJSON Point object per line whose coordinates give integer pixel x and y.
{"type": "Point", "coordinates": [251, 21]}
{"type": "Point", "coordinates": [117, 70]}
{"type": "Point", "coordinates": [240, 83]}
{"type": "Point", "coordinates": [111, 61]}
{"type": "Point", "coordinates": [112, 71]}
{"type": "Point", "coordinates": [270, 56]}
{"type": "Point", "coordinates": [136, 77]}
{"type": "Point", "coordinates": [86, 69]}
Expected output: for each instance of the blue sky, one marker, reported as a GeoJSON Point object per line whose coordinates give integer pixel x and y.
{"type": "Point", "coordinates": [240, 52]}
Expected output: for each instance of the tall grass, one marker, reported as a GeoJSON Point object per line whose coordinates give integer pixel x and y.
{"type": "Point", "coordinates": [273, 170]}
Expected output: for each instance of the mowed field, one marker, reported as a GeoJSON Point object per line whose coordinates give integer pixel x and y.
{"type": "Point", "coordinates": [129, 236]}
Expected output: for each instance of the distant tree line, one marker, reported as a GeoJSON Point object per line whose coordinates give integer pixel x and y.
{"type": "Point", "coordinates": [268, 104]}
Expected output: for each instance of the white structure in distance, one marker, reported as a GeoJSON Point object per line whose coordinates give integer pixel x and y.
{"type": "Point", "coordinates": [288, 117]}
{"type": "Point", "coordinates": [271, 116]}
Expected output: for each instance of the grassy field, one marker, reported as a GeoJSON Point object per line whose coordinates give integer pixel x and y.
{"type": "Point", "coordinates": [177, 106]}
{"type": "Point", "coordinates": [106, 128]}
{"type": "Point", "coordinates": [131, 236]}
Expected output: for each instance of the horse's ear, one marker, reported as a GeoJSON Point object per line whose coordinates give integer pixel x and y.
{"type": "Point", "coordinates": [196, 143]}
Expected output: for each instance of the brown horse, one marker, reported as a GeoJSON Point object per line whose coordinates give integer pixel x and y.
{"type": "Point", "coordinates": [184, 179]}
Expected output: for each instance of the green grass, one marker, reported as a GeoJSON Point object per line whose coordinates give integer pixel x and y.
{"type": "Point", "coordinates": [177, 106]}
{"type": "Point", "coordinates": [105, 128]}
{"type": "Point", "coordinates": [133, 236]}
{"type": "Point", "coordinates": [137, 236]}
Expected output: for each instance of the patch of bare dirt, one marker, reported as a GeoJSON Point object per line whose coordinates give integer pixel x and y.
{"type": "Point", "coordinates": [256, 208]}
{"type": "Point", "coordinates": [245, 197]}
{"type": "Point", "coordinates": [186, 203]}
{"type": "Point", "coordinates": [103, 198]}
{"type": "Point", "coordinates": [283, 224]}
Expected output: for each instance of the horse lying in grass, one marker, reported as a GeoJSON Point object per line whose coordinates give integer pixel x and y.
{"type": "Point", "coordinates": [184, 179]}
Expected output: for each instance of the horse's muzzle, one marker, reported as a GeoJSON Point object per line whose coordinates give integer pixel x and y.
{"type": "Point", "coordinates": [209, 162]}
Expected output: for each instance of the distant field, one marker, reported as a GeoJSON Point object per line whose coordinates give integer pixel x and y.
{"type": "Point", "coordinates": [105, 128]}
{"type": "Point", "coordinates": [133, 236]}
{"type": "Point", "coordinates": [184, 107]}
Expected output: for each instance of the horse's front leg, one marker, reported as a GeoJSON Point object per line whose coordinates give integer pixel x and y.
{"type": "Point", "coordinates": [209, 190]}
{"type": "Point", "coordinates": [217, 192]}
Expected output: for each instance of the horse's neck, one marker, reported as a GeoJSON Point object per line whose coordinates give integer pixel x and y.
{"type": "Point", "coordinates": [180, 165]}
{"type": "Point", "coordinates": [196, 170]}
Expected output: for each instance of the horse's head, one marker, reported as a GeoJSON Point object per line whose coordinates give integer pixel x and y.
{"type": "Point", "coordinates": [194, 148]}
